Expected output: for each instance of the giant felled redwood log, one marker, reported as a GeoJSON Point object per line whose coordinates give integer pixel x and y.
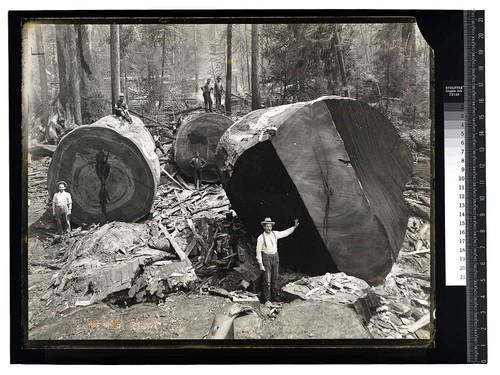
{"type": "Point", "coordinates": [338, 165]}
{"type": "Point", "coordinates": [111, 170]}
{"type": "Point", "coordinates": [200, 135]}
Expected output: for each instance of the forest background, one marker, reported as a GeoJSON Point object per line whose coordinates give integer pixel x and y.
{"type": "Point", "coordinates": [76, 71]}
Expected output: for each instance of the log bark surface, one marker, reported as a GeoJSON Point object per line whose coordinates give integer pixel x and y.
{"type": "Point", "coordinates": [134, 170]}
{"type": "Point", "coordinates": [200, 134]}
{"type": "Point", "coordinates": [335, 163]}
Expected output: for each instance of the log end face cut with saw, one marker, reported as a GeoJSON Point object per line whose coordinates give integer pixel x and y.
{"type": "Point", "coordinates": [200, 135]}
{"type": "Point", "coordinates": [335, 163]}
{"type": "Point", "coordinates": [111, 170]}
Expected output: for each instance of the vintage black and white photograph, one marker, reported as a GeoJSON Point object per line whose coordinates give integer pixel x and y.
{"type": "Point", "coordinates": [193, 180]}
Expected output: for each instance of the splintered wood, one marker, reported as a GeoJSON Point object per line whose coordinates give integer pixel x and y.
{"type": "Point", "coordinates": [99, 263]}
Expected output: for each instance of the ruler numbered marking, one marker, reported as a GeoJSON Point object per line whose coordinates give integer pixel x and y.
{"type": "Point", "coordinates": [474, 82]}
{"type": "Point", "coordinates": [454, 136]}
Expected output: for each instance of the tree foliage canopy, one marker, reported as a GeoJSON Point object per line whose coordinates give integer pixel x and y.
{"type": "Point", "coordinates": [162, 65]}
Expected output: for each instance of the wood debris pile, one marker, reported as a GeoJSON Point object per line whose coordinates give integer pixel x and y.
{"type": "Point", "coordinates": [336, 287]}
{"type": "Point", "coordinates": [398, 308]}
{"type": "Point", "coordinates": [114, 262]}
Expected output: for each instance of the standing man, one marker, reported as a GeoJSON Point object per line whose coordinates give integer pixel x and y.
{"type": "Point", "coordinates": [268, 259]}
{"type": "Point", "coordinates": [121, 108]}
{"type": "Point", "coordinates": [206, 95]}
{"type": "Point", "coordinates": [218, 93]}
{"type": "Point", "coordinates": [61, 208]}
{"type": "Point", "coordinates": [157, 139]}
{"type": "Point", "coordinates": [197, 163]}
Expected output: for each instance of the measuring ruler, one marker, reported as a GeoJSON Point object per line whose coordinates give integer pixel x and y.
{"type": "Point", "coordinates": [475, 187]}
{"type": "Point", "coordinates": [465, 185]}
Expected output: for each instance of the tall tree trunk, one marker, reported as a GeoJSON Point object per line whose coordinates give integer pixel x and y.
{"type": "Point", "coordinates": [85, 54]}
{"type": "Point", "coordinates": [115, 64]}
{"type": "Point", "coordinates": [43, 74]}
{"type": "Point", "coordinates": [174, 70]}
{"type": "Point", "coordinates": [242, 66]}
{"type": "Point", "coordinates": [408, 39]}
{"type": "Point", "coordinates": [195, 59]}
{"type": "Point", "coordinates": [79, 59]}
{"type": "Point", "coordinates": [255, 70]}
{"type": "Point", "coordinates": [248, 60]}
{"type": "Point", "coordinates": [229, 64]}
{"type": "Point", "coordinates": [125, 80]}
{"type": "Point", "coordinates": [365, 48]}
{"type": "Point", "coordinates": [75, 82]}
{"type": "Point", "coordinates": [162, 67]}
{"type": "Point", "coordinates": [62, 61]}
{"type": "Point", "coordinates": [340, 58]}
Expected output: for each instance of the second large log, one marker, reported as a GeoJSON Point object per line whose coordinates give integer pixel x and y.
{"type": "Point", "coordinates": [339, 166]}
{"type": "Point", "coordinates": [200, 135]}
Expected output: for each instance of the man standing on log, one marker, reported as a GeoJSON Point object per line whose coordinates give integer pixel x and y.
{"type": "Point", "coordinates": [268, 258]}
{"type": "Point", "coordinates": [206, 96]}
{"type": "Point", "coordinates": [197, 163]}
{"type": "Point", "coordinates": [61, 208]}
{"type": "Point", "coordinates": [121, 108]}
{"type": "Point", "coordinates": [218, 93]}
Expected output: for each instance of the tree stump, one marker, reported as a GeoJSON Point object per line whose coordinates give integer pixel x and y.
{"type": "Point", "coordinates": [335, 163]}
{"type": "Point", "coordinates": [111, 170]}
{"type": "Point", "coordinates": [200, 135]}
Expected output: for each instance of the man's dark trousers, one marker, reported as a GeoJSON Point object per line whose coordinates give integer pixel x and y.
{"type": "Point", "coordinates": [271, 263]}
{"type": "Point", "coordinates": [208, 101]}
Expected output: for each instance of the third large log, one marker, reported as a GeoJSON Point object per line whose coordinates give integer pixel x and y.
{"type": "Point", "coordinates": [338, 165]}
{"type": "Point", "coordinates": [201, 135]}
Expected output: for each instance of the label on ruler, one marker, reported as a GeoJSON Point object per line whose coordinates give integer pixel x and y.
{"type": "Point", "coordinates": [455, 219]}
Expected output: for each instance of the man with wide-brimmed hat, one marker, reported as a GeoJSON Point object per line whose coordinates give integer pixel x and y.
{"type": "Point", "coordinates": [268, 258]}
{"type": "Point", "coordinates": [61, 208]}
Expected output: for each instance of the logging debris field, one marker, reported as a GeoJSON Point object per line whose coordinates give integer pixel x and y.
{"type": "Point", "coordinates": [129, 281]}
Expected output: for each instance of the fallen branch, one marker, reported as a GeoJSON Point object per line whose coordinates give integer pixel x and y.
{"type": "Point", "coordinates": [181, 180]}
{"type": "Point", "coordinates": [425, 201]}
{"type": "Point", "coordinates": [191, 245]}
{"type": "Point", "coordinates": [421, 276]}
{"type": "Point", "coordinates": [209, 208]}
{"type": "Point", "coordinates": [417, 252]}
{"type": "Point", "coordinates": [45, 265]}
{"type": "Point", "coordinates": [169, 176]}
{"type": "Point", "coordinates": [422, 322]}
{"type": "Point", "coordinates": [419, 210]}
{"type": "Point", "coordinates": [415, 187]}
{"type": "Point", "coordinates": [174, 244]}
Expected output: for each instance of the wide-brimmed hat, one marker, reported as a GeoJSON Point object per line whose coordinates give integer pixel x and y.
{"type": "Point", "coordinates": [267, 220]}
{"type": "Point", "coordinates": [121, 94]}
{"type": "Point", "coordinates": [62, 182]}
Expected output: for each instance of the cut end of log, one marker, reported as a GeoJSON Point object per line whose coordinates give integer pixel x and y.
{"type": "Point", "coordinates": [338, 165]}
{"type": "Point", "coordinates": [200, 135]}
{"type": "Point", "coordinates": [111, 170]}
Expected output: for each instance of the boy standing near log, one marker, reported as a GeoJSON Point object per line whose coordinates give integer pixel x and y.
{"type": "Point", "coordinates": [61, 208]}
{"type": "Point", "coordinates": [206, 96]}
{"type": "Point", "coordinates": [268, 258]}
{"type": "Point", "coordinates": [197, 163]}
